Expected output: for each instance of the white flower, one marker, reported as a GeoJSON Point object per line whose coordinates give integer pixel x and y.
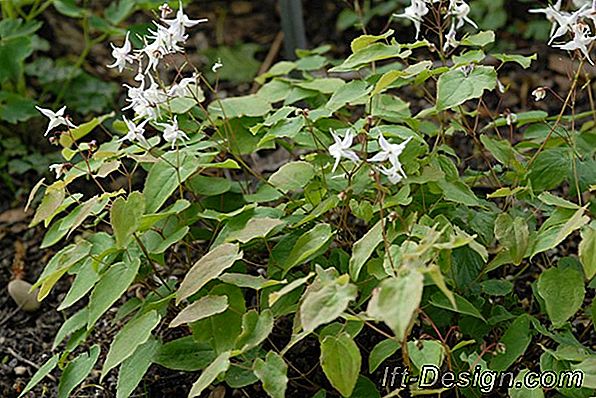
{"type": "Point", "coordinates": [341, 149]}
{"type": "Point", "coordinates": [172, 132]}
{"type": "Point", "coordinates": [58, 168]}
{"type": "Point", "coordinates": [395, 174]}
{"type": "Point", "coordinates": [539, 94]}
{"type": "Point", "coordinates": [181, 22]}
{"type": "Point", "coordinates": [135, 132]}
{"type": "Point", "coordinates": [450, 39]}
{"type": "Point", "coordinates": [460, 10]}
{"type": "Point", "coordinates": [56, 118]}
{"type": "Point", "coordinates": [581, 40]}
{"type": "Point", "coordinates": [389, 151]}
{"type": "Point", "coordinates": [165, 10]}
{"type": "Point", "coordinates": [216, 65]}
{"type": "Point", "coordinates": [511, 119]}
{"type": "Point", "coordinates": [185, 87]}
{"type": "Point", "coordinates": [415, 12]}
{"type": "Point", "coordinates": [121, 55]}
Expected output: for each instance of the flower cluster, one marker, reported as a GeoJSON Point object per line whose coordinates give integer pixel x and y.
{"type": "Point", "coordinates": [456, 14]}
{"type": "Point", "coordinates": [574, 23]}
{"type": "Point", "coordinates": [388, 153]}
{"type": "Point", "coordinates": [147, 99]}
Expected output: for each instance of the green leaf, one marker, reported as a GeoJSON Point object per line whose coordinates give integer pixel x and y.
{"type": "Point", "coordinates": [209, 267]}
{"type": "Point", "coordinates": [200, 309]}
{"type": "Point", "coordinates": [326, 299]}
{"type": "Point", "coordinates": [364, 41]}
{"type": "Point", "coordinates": [220, 365]}
{"type": "Point", "coordinates": [513, 235]}
{"type": "Point", "coordinates": [185, 354]}
{"type": "Point", "coordinates": [308, 246]}
{"type": "Point", "coordinates": [364, 248]}
{"type": "Point", "coordinates": [71, 325]}
{"type": "Point", "coordinates": [479, 39]}
{"type": "Point", "coordinates": [463, 306]}
{"type": "Point", "coordinates": [273, 374]}
{"type": "Point", "coordinates": [249, 105]}
{"type": "Point", "coordinates": [456, 86]}
{"type": "Point", "coordinates": [346, 94]}
{"type": "Point", "coordinates": [163, 179]}
{"type": "Point", "coordinates": [563, 291]}
{"type": "Point", "coordinates": [134, 367]}
{"type": "Point", "coordinates": [340, 360]}
{"type": "Point", "coordinates": [458, 192]}
{"type": "Point", "coordinates": [222, 330]}
{"type": "Point", "coordinates": [110, 288]}
{"type": "Point", "coordinates": [523, 60]}
{"type": "Point", "coordinates": [553, 200]}
{"type": "Point", "coordinates": [519, 390]}
{"type": "Point", "coordinates": [117, 12]}
{"type": "Point", "coordinates": [396, 300]}
{"type": "Point", "coordinates": [588, 369]}
{"type": "Point", "coordinates": [426, 352]}
{"type": "Point", "coordinates": [66, 140]}
{"type": "Point", "coordinates": [125, 217]}
{"type": "Point", "coordinates": [254, 228]}
{"type": "Point", "coordinates": [250, 281]}
{"type": "Point", "coordinates": [42, 372]}
{"type": "Point", "coordinates": [255, 329]}
{"type": "Point", "coordinates": [51, 202]}
{"type": "Point", "coordinates": [76, 371]}
{"type": "Point", "coordinates": [132, 335]}
{"type": "Point", "coordinates": [549, 169]}
{"type": "Point", "coordinates": [587, 251]}
{"type": "Point", "coordinates": [380, 352]}
{"type": "Point", "coordinates": [516, 339]}
{"type": "Point", "coordinates": [292, 176]}
{"type": "Point", "coordinates": [274, 296]}
{"type": "Point", "coordinates": [550, 236]}
{"type": "Point", "coordinates": [371, 53]}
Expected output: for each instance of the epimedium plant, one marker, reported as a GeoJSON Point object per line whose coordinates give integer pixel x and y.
{"type": "Point", "coordinates": [407, 207]}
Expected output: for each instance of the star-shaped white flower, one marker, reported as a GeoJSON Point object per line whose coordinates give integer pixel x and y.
{"type": "Point", "coordinates": [415, 12]}
{"type": "Point", "coordinates": [460, 10]}
{"type": "Point", "coordinates": [135, 132]}
{"type": "Point", "coordinates": [341, 149]}
{"type": "Point", "coordinates": [57, 168]}
{"type": "Point", "coordinates": [581, 40]}
{"type": "Point", "coordinates": [56, 118]}
{"type": "Point", "coordinates": [389, 151]}
{"type": "Point", "coordinates": [395, 173]}
{"type": "Point", "coordinates": [122, 54]}
{"type": "Point", "coordinates": [181, 22]}
{"type": "Point", "coordinates": [172, 132]}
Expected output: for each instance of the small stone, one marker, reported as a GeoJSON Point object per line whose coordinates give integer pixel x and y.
{"type": "Point", "coordinates": [19, 291]}
{"type": "Point", "coordinates": [20, 370]}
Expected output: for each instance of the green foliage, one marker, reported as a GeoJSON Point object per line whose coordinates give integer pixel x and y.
{"type": "Point", "coordinates": [450, 264]}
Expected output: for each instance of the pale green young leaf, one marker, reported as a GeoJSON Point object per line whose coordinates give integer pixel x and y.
{"type": "Point", "coordinates": [457, 86]}
{"type": "Point", "coordinates": [308, 246]}
{"type": "Point", "coordinates": [326, 299]}
{"type": "Point", "coordinates": [396, 300]}
{"type": "Point", "coordinates": [125, 217]}
{"type": "Point", "coordinates": [273, 374]}
{"type": "Point", "coordinates": [364, 248]}
{"type": "Point", "coordinates": [292, 176]}
{"type": "Point", "coordinates": [255, 329]}
{"type": "Point", "coordinates": [587, 251]}
{"type": "Point", "coordinates": [209, 267]}
{"type": "Point", "coordinates": [200, 309]}
{"type": "Point", "coordinates": [218, 366]}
